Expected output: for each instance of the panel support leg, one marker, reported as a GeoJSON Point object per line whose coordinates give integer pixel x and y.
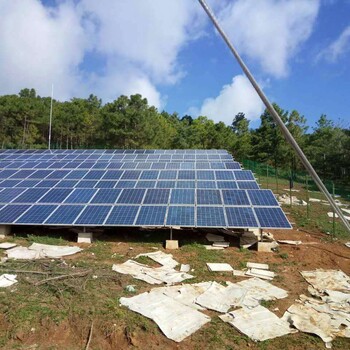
{"type": "Point", "coordinates": [5, 230]}
{"type": "Point", "coordinates": [85, 237]}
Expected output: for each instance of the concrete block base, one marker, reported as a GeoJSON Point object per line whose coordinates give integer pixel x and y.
{"type": "Point", "coordinates": [84, 237]}
{"type": "Point", "coordinates": [171, 244]}
{"type": "Point", "coordinates": [266, 247]}
{"type": "Point", "coordinates": [5, 230]}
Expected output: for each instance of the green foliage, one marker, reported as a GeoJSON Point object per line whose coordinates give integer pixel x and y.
{"type": "Point", "coordinates": [130, 122]}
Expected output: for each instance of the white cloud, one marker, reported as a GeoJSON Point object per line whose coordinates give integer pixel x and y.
{"type": "Point", "coordinates": [137, 41]}
{"type": "Point", "coordinates": [338, 48]}
{"type": "Point", "coordinates": [40, 46]}
{"type": "Point", "coordinates": [270, 31]}
{"type": "Point", "coordinates": [237, 97]}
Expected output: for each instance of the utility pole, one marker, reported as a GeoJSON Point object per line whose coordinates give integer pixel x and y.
{"type": "Point", "coordinates": [50, 122]}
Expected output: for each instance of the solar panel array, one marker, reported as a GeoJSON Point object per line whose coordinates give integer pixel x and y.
{"type": "Point", "coordinates": [189, 188]}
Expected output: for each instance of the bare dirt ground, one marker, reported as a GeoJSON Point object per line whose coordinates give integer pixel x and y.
{"type": "Point", "coordinates": [61, 314]}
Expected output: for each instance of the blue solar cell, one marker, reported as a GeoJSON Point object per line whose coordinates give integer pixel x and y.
{"type": "Point", "coordinates": [241, 217]}
{"type": "Point", "coordinates": [80, 195]}
{"type": "Point", "coordinates": [201, 157]}
{"type": "Point", "coordinates": [188, 165]}
{"type": "Point", "coordinates": [149, 175]}
{"type": "Point", "coordinates": [166, 184]}
{"type": "Point", "coordinates": [67, 183]}
{"type": "Point", "coordinates": [37, 214]}
{"type": "Point", "coordinates": [43, 165]}
{"type": "Point", "coordinates": [11, 212]}
{"type": "Point", "coordinates": [64, 215]}
{"type": "Point", "coordinates": [247, 185]}
{"type": "Point", "coordinates": [224, 175]}
{"type": "Point", "coordinates": [105, 184]}
{"type": "Point", "coordinates": [172, 166]}
{"type": "Point", "coordinates": [106, 196]}
{"type": "Point", "coordinates": [227, 184]}
{"type": "Point", "coordinates": [71, 165]}
{"type": "Point", "coordinates": [47, 183]}
{"type": "Point", "coordinates": [31, 195]}
{"type": "Point", "coordinates": [94, 175]}
{"type": "Point", "coordinates": [202, 165]}
{"type": "Point", "coordinates": [129, 165]}
{"type": "Point", "coordinates": [262, 198]}
{"type": "Point", "coordinates": [205, 175]}
{"type": "Point", "coordinates": [145, 184]}
{"type": "Point", "coordinates": [58, 174]}
{"type": "Point", "coordinates": [125, 184]}
{"type": "Point", "coordinates": [93, 215]}
{"type": "Point", "coordinates": [158, 165]}
{"type": "Point", "coordinates": [208, 197]}
{"type": "Point", "coordinates": [55, 195]}
{"type": "Point", "coordinates": [157, 196]}
{"type": "Point", "coordinates": [40, 174]}
{"type": "Point", "coordinates": [143, 165]}
{"type": "Point", "coordinates": [9, 183]}
{"type": "Point", "coordinates": [232, 165]}
{"type": "Point", "coordinates": [8, 194]}
{"type": "Point", "coordinates": [100, 165]}
{"type": "Point", "coordinates": [244, 175]}
{"type": "Point", "coordinates": [131, 196]}
{"type": "Point", "coordinates": [86, 184]}
{"type": "Point", "coordinates": [206, 184]}
{"type": "Point", "coordinates": [151, 216]}
{"type": "Point", "coordinates": [22, 174]}
{"type": "Point", "coordinates": [235, 197]}
{"type": "Point", "coordinates": [182, 196]}
{"type": "Point", "coordinates": [187, 175]}
{"type": "Point", "coordinates": [57, 165]}
{"type": "Point", "coordinates": [76, 175]}
{"type": "Point", "coordinates": [122, 215]}
{"type": "Point", "coordinates": [28, 165]}
{"type": "Point", "coordinates": [185, 184]}
{"type": "Point", "coordinates": [271, 218]}
{"type": "Point", "coordinates": [114, 165]}
{"type": "Point", "coordinates": [167, 175]}
{"type": "Point", "coordinates": [112, 175]}
{"type": "Point", "coordinates": [210, 217]}
{"type": "Point", "coordinates": [216, 165]}
{"type": "Point", "coordinates": [131, 175]}
{"type": "Point", "coordinates": [86, 165]}
{"type": "Point", "coordinates": [180, 216]}
{"type": "Point", "coordinates": [4, 174]}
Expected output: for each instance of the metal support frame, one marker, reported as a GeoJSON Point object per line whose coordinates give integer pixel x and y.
{"type": "Point", "coordinates": [288, 136]}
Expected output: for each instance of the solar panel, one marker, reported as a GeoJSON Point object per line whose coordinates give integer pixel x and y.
{"type": "Point", "coordinates": [208, 197]}
{"type": "Point", "coordinates": [241, 217]}
{"type": "Point", "coordinates": [64, 215]}
{"type": "Point", "coordinates": [80, 196]}
{"type": "Point", "coordinates": [106, 196]}
{"type": "Point", "coordinates": [11, 212]}
{"type": "Point", "coordinates": [157, 196]}
{"type": "Point", "coordinates": [235, 197]}
{"type": "Point", "coordinates": [55, 195]}
{"type": "Point", "coordinates": [262, 198]}
{"type": "Point", "coordinates": [131, 184]}
{"type": "Point", "coordinates": [182, 196]}
{"type": "Point", "coordinates": [36, 214]}
{"type": "Point", "coordinates": [131, 196]}
{"type": "Point", "coordinates": [210, 217]}
{"type": "Point", "coordinates": [122, 215]}
{"type": "Point", "coordinates": [151, 216]}
{"type": "Point", "coordinates": [180, 216]}
{"type": "Point", "coordinates": [271, 217]}
{"type": "Point", "coordinates": [93, 215]}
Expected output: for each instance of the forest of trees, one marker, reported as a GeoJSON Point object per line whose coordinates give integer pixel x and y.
{"type": "Point", "coordinates": [129, 122]}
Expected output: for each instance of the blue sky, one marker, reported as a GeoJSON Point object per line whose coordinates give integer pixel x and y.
{"type": "Point", "coordinates": [167, 50]}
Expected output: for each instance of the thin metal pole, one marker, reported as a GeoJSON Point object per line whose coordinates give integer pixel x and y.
{"type": "Point", "coordinates": [288, 136]}
{"type": "Point", "coordinates": [50, 122]}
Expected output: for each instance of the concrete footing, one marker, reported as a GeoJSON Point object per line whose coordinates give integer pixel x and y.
{"type": "Point", "coordinates": [84, 237]}
{"type": "Point", "coordinates": [171, 244]}
{"type": "Point", "coordinates": [5, 230]}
